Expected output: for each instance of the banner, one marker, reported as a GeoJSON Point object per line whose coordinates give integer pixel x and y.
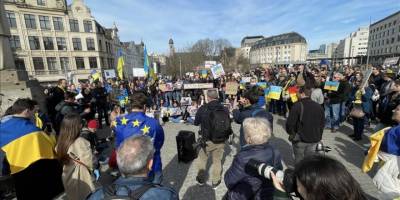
{"type": "Point", "coordinates": [138, 72]}
{"type": "Point", "coordinates": [331, 85]}
{"type": "Point", "coordinates": [275, 92]}
{"type": "Point", "coordinates": [217, 71]}
{"type": "Point", "coordinates": [109, 73]}
{"type": "Point", "coordinates": [231, 88]}
{"type": "Point", "coordinates": [191, 86]}
{"type": "Point", "coordinates": [167, 87]}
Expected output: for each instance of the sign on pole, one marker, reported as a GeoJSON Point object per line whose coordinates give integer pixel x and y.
{"type": "Point", "coordinates": [109, 73]}
{"type": "Point", "coordinates": [217, 70]}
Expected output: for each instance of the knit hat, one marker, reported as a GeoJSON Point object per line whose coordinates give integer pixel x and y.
{"type": "Point", "coordinates": [93, 124]}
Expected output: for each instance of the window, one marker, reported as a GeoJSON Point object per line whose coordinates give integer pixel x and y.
{"type": "Point", "coordinates": [100, 46]}
{"type": "Point", "coordinates": [20, 64]}
{"type": "Point", "coordinates": [61, 44]}
{"type": "Point", "coordinates": [34, 42]}
{"type": "Point", "coordinates": [44, 22]}
{"type": "Point", "coordinates": [87, 25]}
{"type": "Point", "coordinates": [74, 25]}
{"type": "Point", "coordinates": [51, 65]}
{"type": "Point", "coordinates": [48, 43]}
{"type": "Point", "coordinates": [14, 42]}
{"type": "Point", "coordinates": [12, 22]}
{"type": "Point", "coordinates": [41, 2]}
{"type": "Point", "coordinates": [93, 62]}
{"type": "Point", "coordinates": [58, 24]}
{"type": "Point", "coordinates": [30, 21]}
{"type": "Point", "coordinates": [38, 63]}
{"type": "Point", "coordinates": [90, 44]}
{"type": "Point", "coordinates": [76, 42]}
{"type": "Point", "coordinates": [80, 63]}
{"type": "Point", "coordinates": [64, 63]}
{"type": "Point", "coordinates": [392, 40]}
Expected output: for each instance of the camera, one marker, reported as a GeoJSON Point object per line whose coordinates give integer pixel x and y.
{"type": "Point", "coordinates": [264, 170]}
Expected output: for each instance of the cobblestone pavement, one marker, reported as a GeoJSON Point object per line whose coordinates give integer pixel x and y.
{"type": "Point", "coordinates": [182, 176]}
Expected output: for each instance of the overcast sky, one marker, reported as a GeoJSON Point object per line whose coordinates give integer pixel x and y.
{"type": "Point", "coordinates": [186, 21]}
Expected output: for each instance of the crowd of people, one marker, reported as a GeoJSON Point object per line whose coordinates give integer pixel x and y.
{"type": "Point", "coordinates": [55, 144]}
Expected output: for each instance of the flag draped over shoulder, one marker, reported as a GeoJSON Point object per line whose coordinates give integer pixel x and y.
{"type": "Point", "coordinates": [120, 65]}
{"type": "Point", "coordinates": [24, 143]}
{"type": "Point", "coordinates": [376, 140]}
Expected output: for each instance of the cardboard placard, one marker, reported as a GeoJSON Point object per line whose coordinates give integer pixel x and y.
{"type": "Point", "coordinates": [331, 85]}
{"type": "Point", "coordinates": [191, 86]}
{"type": "Point", "coordinates": [167, 87]}
{"type": "Point", "coordinates": [186, 101]}
{"type": "Point", "coordinates": [231, 88]}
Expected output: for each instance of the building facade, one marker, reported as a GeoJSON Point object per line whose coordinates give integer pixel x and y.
{"type": "Point", "coordinates": [384, 40]}
{"type": "Point", "coordinates": [133, 57]}
{"type": "Point", "coordinates": [283, 49]}
{"type": "Point", "coordinates": [52, 40]}
{"type": "Point", "coordinates": [353, 49]}
{"type": "Point", "coordinates": [246, 44]}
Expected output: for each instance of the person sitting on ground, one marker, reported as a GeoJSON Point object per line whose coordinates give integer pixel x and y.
{"type": "Point", "coordinates": [135, 160]}
{"type": "Point", "coordinates": [243, 182]}
{"type": "Point", "coordinates": [320, 177]}
{"type": "Point", "coordinates": [249, 108]}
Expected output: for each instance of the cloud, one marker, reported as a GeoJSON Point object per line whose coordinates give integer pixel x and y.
{"type": "Point", "coordinates": [187, 21]}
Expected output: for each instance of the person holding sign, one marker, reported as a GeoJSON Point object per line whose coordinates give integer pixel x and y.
{"type": "Point", "coordinates": [335, 101]}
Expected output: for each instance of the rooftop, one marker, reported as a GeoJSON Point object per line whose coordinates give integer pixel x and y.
{"type": "Point", "coordinates": [286, 38]}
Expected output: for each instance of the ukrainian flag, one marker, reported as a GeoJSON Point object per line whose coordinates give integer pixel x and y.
{"type": "Point", "coordinates": [24, 143]}
{"type": "Point", "coordinates": [275, 92]}
{"type": "Point", "coordinates": [120, 66]}
{"type": "Point", "coordinates": [376, 141]}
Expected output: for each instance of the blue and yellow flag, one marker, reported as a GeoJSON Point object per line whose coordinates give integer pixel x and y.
{"type": "Point", "coordinates": [120, 65]}
{"type": "Point", "coordinates": [376, 140]}
{"type": "Point", "coordinates": [95, 75]}
{"type": "Point", "coordinates": [138, 123]}
{"type": "Point", "coordinates": [24, 143]}
{"type": "Point", "coordinates": [146, 66]}
{"type": "Point", "coordinates": [275, 92]}
{"type": "Point", "coordinates": [331, 85]}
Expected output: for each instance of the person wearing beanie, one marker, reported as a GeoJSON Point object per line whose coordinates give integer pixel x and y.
{"type": "Point", "coordinates": [89, 133]}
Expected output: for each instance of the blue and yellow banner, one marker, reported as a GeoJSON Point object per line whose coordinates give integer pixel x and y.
{"type": "Point", "coordinates": [24, 143]}
{"type": "Point", "coordinates": [331, 85]}
{"type": "Point", "coordinates": [274, 92]}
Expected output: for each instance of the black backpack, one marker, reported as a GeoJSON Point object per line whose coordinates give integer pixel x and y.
{"type": "Point", "coordinates": [217, 126]}
{"type": "Point", "coordinates": [110, 192]}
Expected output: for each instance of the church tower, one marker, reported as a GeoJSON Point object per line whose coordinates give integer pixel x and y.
{"type": "Point", "coordinates": [171, 48]}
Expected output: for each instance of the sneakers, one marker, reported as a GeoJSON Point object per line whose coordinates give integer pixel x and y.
{"type": "Point", "coordinates": [215, 185]}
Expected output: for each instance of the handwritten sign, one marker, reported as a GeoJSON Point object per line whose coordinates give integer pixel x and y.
{"type": "Point", "coordinates": [331, 85]}
{"type": "Point", "coordinates": [231, 88]}
{"type": "Point", "coordinates": [168, 87]}
{"type": "Point", "coordinates": [217, 70]}
{"type": "Point", "coordinates": [191, 86]}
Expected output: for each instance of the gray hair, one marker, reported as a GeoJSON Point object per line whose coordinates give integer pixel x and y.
{"type": "Point", "coordinates": [256, 130]}
{"type": "Point", "coordinates": [134, 154]}
{"type": "Point", "coordinates": [212, 94]}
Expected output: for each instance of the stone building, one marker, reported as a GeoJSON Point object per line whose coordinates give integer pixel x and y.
{"type": "Point", "coordinates": [384, 40]}
{"type": "Point", "coordinates": [283, 49]}
{"type": "Point", "coordinates": [246, 44]}
{"type": "Point", "coordinates": [52, 40]}
{"type": "Point", "coordinates": [133, 57]}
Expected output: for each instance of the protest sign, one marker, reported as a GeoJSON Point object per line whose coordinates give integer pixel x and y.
{"type": "Point", "coordinates": [209, 63]}
{"type": "Point", "coordinates": [367, 74]}
{"type": "Point", "coordinates": [231, 88]}
{"type": "Point", "coordinates": [191, 86]}
{"type": "Point", "coordinates": [275, 92]}
{"type": "Point", "coordinates": [331, 85]}
{"type": "Point", "coordinates": [262, 85]}
{"type": "Point", "coordinates": [167, 87]}
{"type": "Point", "coordinates": [246, 79]}
{"type": "Point", "coordinates": [217, 71]}
{"type": "Point", "coordinates": [138, 72]}
{"type": "Point", "coordinates": [109, 73]}
{"type": "Point", "coordinates": [186, 101]}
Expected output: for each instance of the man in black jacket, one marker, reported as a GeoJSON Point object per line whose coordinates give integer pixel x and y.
{"type": "Point", "coordinates": [305, 125]}
{"type": "Point", "coordinates": [100, 94]}
{"type": "Point", "coordinates": [213, 144]}
{"type": "Point", "coordinates": [249, 108]}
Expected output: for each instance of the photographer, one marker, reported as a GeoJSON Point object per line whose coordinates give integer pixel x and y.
{"type": "Point", "coordinates": [323, 178]}
{"type": "Point", "coordinates": [243, 181]}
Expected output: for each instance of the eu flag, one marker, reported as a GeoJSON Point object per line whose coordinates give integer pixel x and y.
{"type": "Point", "coordinates": [138, 123]}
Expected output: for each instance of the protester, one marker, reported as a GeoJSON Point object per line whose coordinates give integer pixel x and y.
{"type": "Point", "coordinates": [76, 155]}
{"type": "Point", "coordinates": [135, 160]}
{"type": "Point", "coordinates": [249, 108]}
{"type": "Point", "coordinates": [100, 95]}
{"type": "Point", "coordinates": [242, 182]}
{"type": "Point", "coordinates": [305, 125]}
{"type": "Point", "coordinates": [136, 122]}
{"type": "Point", "coordinates": [215, 128]}
{"type": "Point", "coordinates": [323, 178]}
{"type": "Point", "coordinates": [30, 154]}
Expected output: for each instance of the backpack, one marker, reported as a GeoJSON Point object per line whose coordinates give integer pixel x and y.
{"type": "Point", "coordinates": [110, 192]}
{"type": "Point", "coordinates": [217, 126]}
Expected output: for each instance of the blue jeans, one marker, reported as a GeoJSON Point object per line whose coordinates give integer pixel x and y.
{"type": "Point", "coordinates": [168, 98]}
{"type": "Point", "coordinates": [332, 112]}
{"type": "Point", "coordinates": [178, 95]}
{"type": "Point", "coordinates": [175, 119]}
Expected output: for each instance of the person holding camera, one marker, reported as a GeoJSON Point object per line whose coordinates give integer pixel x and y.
{"type": "Point", "coordinates": [319, 177]}
{"type": "Point", "coordinates": [215, 129]}
{"type": "Point", "coordinates": [305, 125]}
{"type": "Point", "coordinates": [243, 180]}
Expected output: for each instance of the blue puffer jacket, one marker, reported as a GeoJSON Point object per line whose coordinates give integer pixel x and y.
{"type": "Point", "coordinates": [243, 182]}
